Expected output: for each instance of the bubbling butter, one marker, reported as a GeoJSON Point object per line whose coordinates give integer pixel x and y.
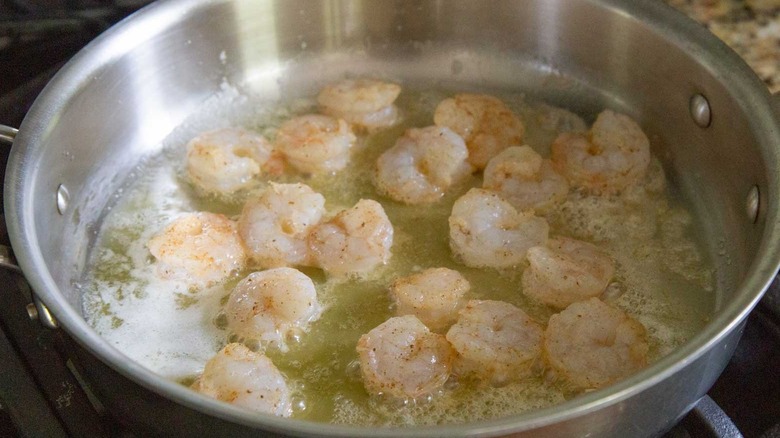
{"type": "Point", "coordinates": [661, 278]}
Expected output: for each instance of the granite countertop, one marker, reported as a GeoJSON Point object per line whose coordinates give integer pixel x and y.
{"type": "Point", "coordinates": [750, 27]}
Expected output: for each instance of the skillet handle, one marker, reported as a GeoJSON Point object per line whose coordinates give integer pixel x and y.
{"type": "Point", "coordinates": [36, 309]}
{"type": "Point", "coordinates": [7, 260]}
{"type": "Point", "coordinates": [7, 133]}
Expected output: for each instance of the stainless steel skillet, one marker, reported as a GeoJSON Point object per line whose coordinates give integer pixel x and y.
{"type": "Point", "coordinates": [116, 100]}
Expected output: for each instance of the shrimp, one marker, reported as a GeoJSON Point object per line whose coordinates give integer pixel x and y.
{"type": "Point", "coordinates": [592, 344]}
{"type": "Point", "coordinates": [355, 241]}
{"type": "Point", "coordinates": [496, 341]}
{"type": "Point", "coordinates": [485, 123]}
{"type": "Point", "coordinates": [365, 103]}
{"type": "Point", "coordinates": [238, 376]}
{"type": "Point", "coordinates": [486, 231]}
{"type": "Point", "coordinates": [227, 160]}
{"type": "Point", "coordinates": [566, 271]}
{"type": "Point", "coordinates": [524, 179]}
{"type": "Point", "coordinates": [403, 359]}
{"type": "Point", "coordinates": [422, 165]}
{"type": "Point", "coordinates": [200, 249]}
{"type": "Point", "coordinates": [315, 143]}
{"type": "Point", "coordinates": [271, 305]}
{"type": "Point", "coordinates": [614, 154]}
{"type": "Point", "coordinates": [649, 189]}
{"type": "Point", "coordinates": [434, 296]}
{"type": "Point", "coordinates": [274, 225]}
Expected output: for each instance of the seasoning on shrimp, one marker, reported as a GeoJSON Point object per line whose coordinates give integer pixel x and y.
{"type": "Point", "coordinates": [422, 165]}
{"type": "Point", "coordinates": [524, 179]}
{"type": "Point", "coordinates": [274, 225]}
{"type": "Point", "coordinates": [495, 341]}
{"type": "Point", "coordinates": [227, 160]}
{"type": "Point", "coordinates": [485, 122]}
{"type": "Point", "coordinates": [487, 231]}
{"type": "Point", "coordinates": [434, 296]}
{"type": "Point", "coordinates": [270, 306]}
{"type": "Point", "coordinates": [566, 271]}
{"type": "Point", "coordinates": [314, 143]}
{"type": "Point", "coordinates": [199, 249]}
{"type": "Point", "coordinates": [403, 359]}
{"type": "Point", "coordinates": [592, 344]}
{"type": "Point", "coordinates": [614, 154]}
{"type": "Point", "coordinates": [354, 242]}
{"type": "Point", "coordinates": [365, 103]}
{"type": "Point", "coordinates": [241, 377]}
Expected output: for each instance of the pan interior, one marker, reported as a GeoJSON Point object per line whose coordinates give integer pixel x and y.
{"type": "Point", "coordinates": [175, 331]}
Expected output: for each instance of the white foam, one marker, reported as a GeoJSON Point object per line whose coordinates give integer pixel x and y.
{"type": "Point", "coordinates": [467, 403]}
{"type": "Point", "coordinates": [158, 323]}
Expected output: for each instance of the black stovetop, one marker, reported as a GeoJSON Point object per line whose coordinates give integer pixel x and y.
{"type": "Point", "coordinates": [41, 393]}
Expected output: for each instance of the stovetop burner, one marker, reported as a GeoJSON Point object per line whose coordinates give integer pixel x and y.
{"type": "Point", "coordinates": [41, 391]}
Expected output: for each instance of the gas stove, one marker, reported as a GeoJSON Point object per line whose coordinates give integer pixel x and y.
{"type": "Point", "coordinates": [41, 389]}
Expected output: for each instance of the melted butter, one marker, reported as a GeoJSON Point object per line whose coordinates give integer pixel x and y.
{"type": "Point", "coordinates": [665, 282]}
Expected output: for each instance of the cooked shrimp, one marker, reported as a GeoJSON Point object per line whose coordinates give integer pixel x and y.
{"type": "Point", "coordinates": [433, 295]}
{"type": "Point", "coordinates": [403, 359]}
{"type": "Point", "coordinates": [355, 241]}
{"type": "Point", "coordinates": [495, 341]}
{"type": "Point", "coordinates": [200, 249]}
{"type": "Point", "coordinates": [614, 154]}
{"type": "Point", "coordinates": [315, 143]}
{"type": "Point", "coordinates": [228, 160]}
{"type": "Point", "coordinates": [649, 188]}
{"type": "Point", "coordinates": [592, 344]}
{"type": "Point", "coordinates": [524, 179]}
{"type": "Point", "coordinates": [566, 271]}
{"type": "Point", "coordinates": [366, 103]}
{"type": "Point", "coordinates": [486, 124]}
{"type": "Point", "coordinates": [271, 305]}
{"type": "Point", "coordinates": [275, 224]}
{"type": "Point", "coordinates": [486, 231]}
{"type": "Point", "coordinates": [422, 165]}
{"type": "Point", "coordinates": [238, 376]}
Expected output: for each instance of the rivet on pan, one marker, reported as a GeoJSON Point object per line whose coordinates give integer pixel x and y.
{"type": "Point", "coordinates": [63, 197]}
{"type": "Point", "coordinates": [752, 204]}
{"type": "Point", "coordinates": [700, 110]}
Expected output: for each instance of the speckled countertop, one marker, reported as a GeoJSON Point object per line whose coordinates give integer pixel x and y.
{"type": "Point", "coordinates": [750, 27]}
